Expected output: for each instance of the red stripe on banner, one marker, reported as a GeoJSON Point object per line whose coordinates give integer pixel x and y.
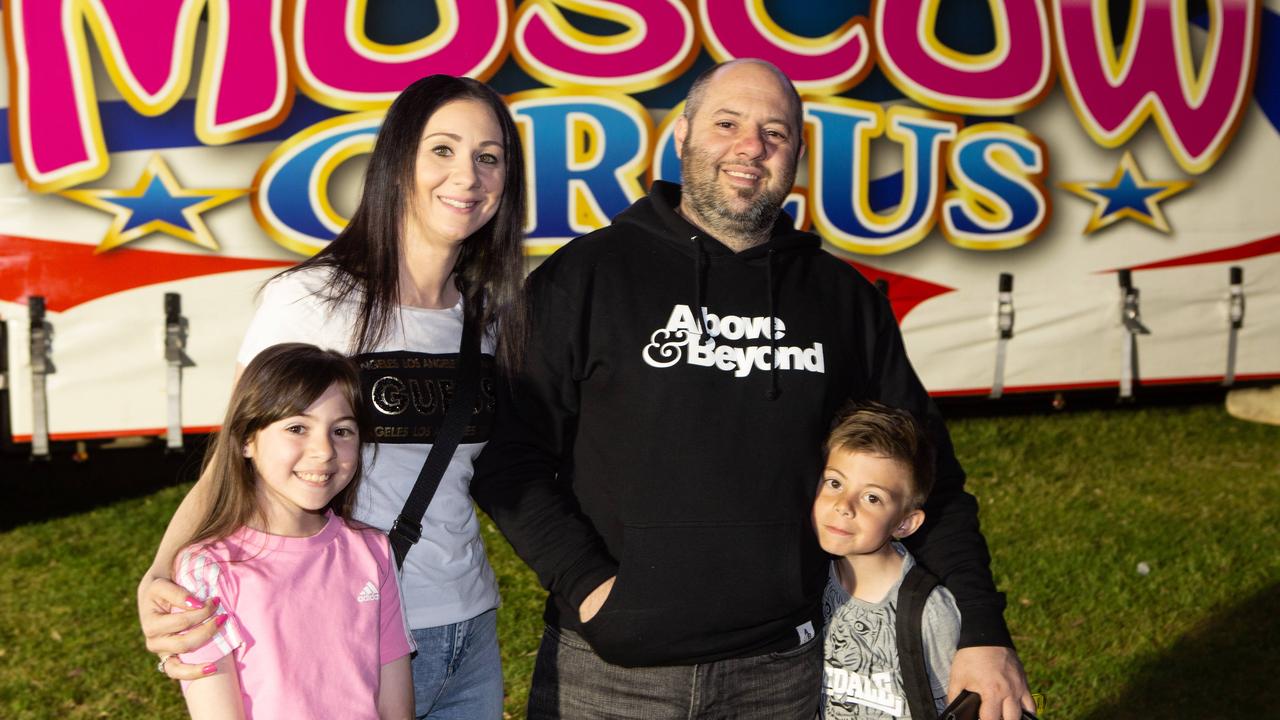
{"type": "Point", "coordinates": [1255, 248]}
{"type": "Point", "coordinates": [68, 274]}
{"type": "Point", "coordinates": [108, 434]}
{"type": "Point", "coordinates": [905, 291]}
{"type": "Point", "coordinates": [1104, 384]}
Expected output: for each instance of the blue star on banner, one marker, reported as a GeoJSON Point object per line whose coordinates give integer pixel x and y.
{"type": "Point", "coordinates": [1128, 194]}
{"type": "Point", "coordinates": [156, 203]}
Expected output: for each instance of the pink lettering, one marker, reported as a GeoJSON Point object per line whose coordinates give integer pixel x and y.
{"type": "Point", "coordinates": [1009, 79]}
{"type": "Point", "coordinates": [146, 47]}
{"type": "Point", "coordinates": [1153, 74]}
{"type": "Point", "coordinates": [825, 65]}
{"type": "Point", "coordinates": [657, 47]}
{"type": "Point", "coordinates": [245, 88]}
{"type": "Point", "coordinates": [143, 48]}
{"type": "Point", "coordinates": [340, 66]}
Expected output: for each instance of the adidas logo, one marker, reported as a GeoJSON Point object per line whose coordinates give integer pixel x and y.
{"type": "Point", "coordinates": [369, 593]}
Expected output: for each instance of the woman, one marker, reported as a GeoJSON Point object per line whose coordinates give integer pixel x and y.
{"type": "Point", "coordinates": [436, 238]}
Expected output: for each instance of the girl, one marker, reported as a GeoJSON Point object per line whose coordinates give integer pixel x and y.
{"type": "Point", "coordinates": [435, 240]}
{"type": "Point", "coordinates": [308, 613]}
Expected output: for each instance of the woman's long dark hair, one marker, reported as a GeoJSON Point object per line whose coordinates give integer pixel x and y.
{"type": "Point", "coordinates": [490, 265]}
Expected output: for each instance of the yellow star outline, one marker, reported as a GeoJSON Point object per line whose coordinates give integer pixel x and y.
{"type": "Point", "coordinates": [120, 232]}
{"type": "Point", "coordinates": [1129, 194]}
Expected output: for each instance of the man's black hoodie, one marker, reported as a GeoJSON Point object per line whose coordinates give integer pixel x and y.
{"type": "Point", "coordinates": [661, 432]}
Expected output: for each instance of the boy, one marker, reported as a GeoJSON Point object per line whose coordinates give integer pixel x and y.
{"type": "Point", "coordinates": [878, 474]}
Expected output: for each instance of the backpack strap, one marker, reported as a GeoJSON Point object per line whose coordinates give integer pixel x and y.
{"type": "Point", "coordinates": [912, 595]}
{"type": "Point", "coordinates": [407, 529]}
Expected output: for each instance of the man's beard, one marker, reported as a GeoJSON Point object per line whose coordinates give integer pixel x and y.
{"type": "Point", "coordinates": [709, 200]}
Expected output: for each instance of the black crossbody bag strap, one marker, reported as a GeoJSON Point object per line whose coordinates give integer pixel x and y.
{"type": "Point", "coordinates": [912, 595]}
{"type": "Point", "coordinates": [407, 528]}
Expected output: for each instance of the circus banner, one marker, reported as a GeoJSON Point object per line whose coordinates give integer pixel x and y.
{"type": "Point", "coordinates": [1054, 194]}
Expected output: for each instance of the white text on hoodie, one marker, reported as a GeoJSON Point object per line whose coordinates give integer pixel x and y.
{"type": "Point", "coordinates": [680, 339]}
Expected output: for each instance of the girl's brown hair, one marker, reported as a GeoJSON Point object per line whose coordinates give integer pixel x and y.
{"type": "Point", "coordinates": [282, 381]}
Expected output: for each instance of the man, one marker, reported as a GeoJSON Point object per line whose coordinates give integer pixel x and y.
{"type": "Point", "coordinates": [655, 462]}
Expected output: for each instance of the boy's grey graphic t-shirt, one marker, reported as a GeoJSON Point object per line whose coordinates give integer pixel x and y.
{"type": "Point", "coordinates": [861, 677]}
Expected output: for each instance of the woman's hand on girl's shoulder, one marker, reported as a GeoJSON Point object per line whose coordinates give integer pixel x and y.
{"type": "Point", "coordinates": [166, 609]}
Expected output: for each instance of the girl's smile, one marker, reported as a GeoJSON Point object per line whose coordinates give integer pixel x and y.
{"type": "Point", "coordinates": [301, 462]}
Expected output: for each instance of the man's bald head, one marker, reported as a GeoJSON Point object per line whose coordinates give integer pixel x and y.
{"type": "Point", "coordinates": [698, 91]}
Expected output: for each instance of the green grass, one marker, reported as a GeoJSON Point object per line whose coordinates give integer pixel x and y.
{"type": "Point", "coordinates": [1071, 504]}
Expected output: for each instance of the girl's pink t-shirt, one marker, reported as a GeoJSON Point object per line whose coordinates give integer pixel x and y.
{"type": "Point", "coordinates": [311, 620]}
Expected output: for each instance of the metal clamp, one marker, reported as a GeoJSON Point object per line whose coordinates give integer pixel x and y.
{"type": "Point", "coordinates": [1235, 321]}
{"type": "Point", "coordinates": [4, 359]}
{"type": "Point", "coordinates": [407, 529]}
{"type": "Point", "coordinates": [175, 356]}
{"type": "Point", "coordinates": [41, 353]}
{"type": "Point", "coordinates": [1004, 330]}
{"type": "Point", "coordinates": [6, 420]}
{"type": "Point", "coordinates": [1131, 318]}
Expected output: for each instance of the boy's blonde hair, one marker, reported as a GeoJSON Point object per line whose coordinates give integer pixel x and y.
{"type": "Point", "coordinates": [875, 429]}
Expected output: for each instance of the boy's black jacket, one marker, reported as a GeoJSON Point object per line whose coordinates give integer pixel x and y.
{"type": "Point", "coordinates": [631, 446]}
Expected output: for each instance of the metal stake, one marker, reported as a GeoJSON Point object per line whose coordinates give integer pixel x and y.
{"type": "Point", "coordinates": [41, 367]}
{"type": "Point", "coordinates": [1004, 327]}
{"type": "Point", "coordinates": [1235, 321]}
{"type": "Point", "coordinates": [1131, 317]}
{"type": "Point", "coordinates": [175, 344]}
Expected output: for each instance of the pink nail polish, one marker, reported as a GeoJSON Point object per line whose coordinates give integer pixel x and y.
{"type": "Point", "coordinates": [221, 620]}
{"type": "Point", "coordinates": [193, 603]}
{"type": "Point", "coordinates": [215, 601]}
{"type": "Point", "coordinates": [209, 669]}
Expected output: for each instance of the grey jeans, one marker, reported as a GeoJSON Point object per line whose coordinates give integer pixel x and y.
{"type": "Point", "coordinates": [570, 681]}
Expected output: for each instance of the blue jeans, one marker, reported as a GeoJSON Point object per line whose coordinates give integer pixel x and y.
{"type": "Point", "coordinates": [457, 673]}
{"type": "Point", "coordinates": [571, 682]}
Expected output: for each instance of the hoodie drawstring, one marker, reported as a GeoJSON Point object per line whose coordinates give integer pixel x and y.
{"type": "Point", "coordinates": [699, 266]}
{"type": "Point", "coordinates": [704, 335]}
{"type": "Point", "coordinates": [774, 389]}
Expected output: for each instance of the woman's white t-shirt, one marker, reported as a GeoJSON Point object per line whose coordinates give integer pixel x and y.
{"type": "Point", "coordinates": [406, 380]}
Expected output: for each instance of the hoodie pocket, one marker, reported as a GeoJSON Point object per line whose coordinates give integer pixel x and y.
{"type": "Point", "coordinates": [691, 589]}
